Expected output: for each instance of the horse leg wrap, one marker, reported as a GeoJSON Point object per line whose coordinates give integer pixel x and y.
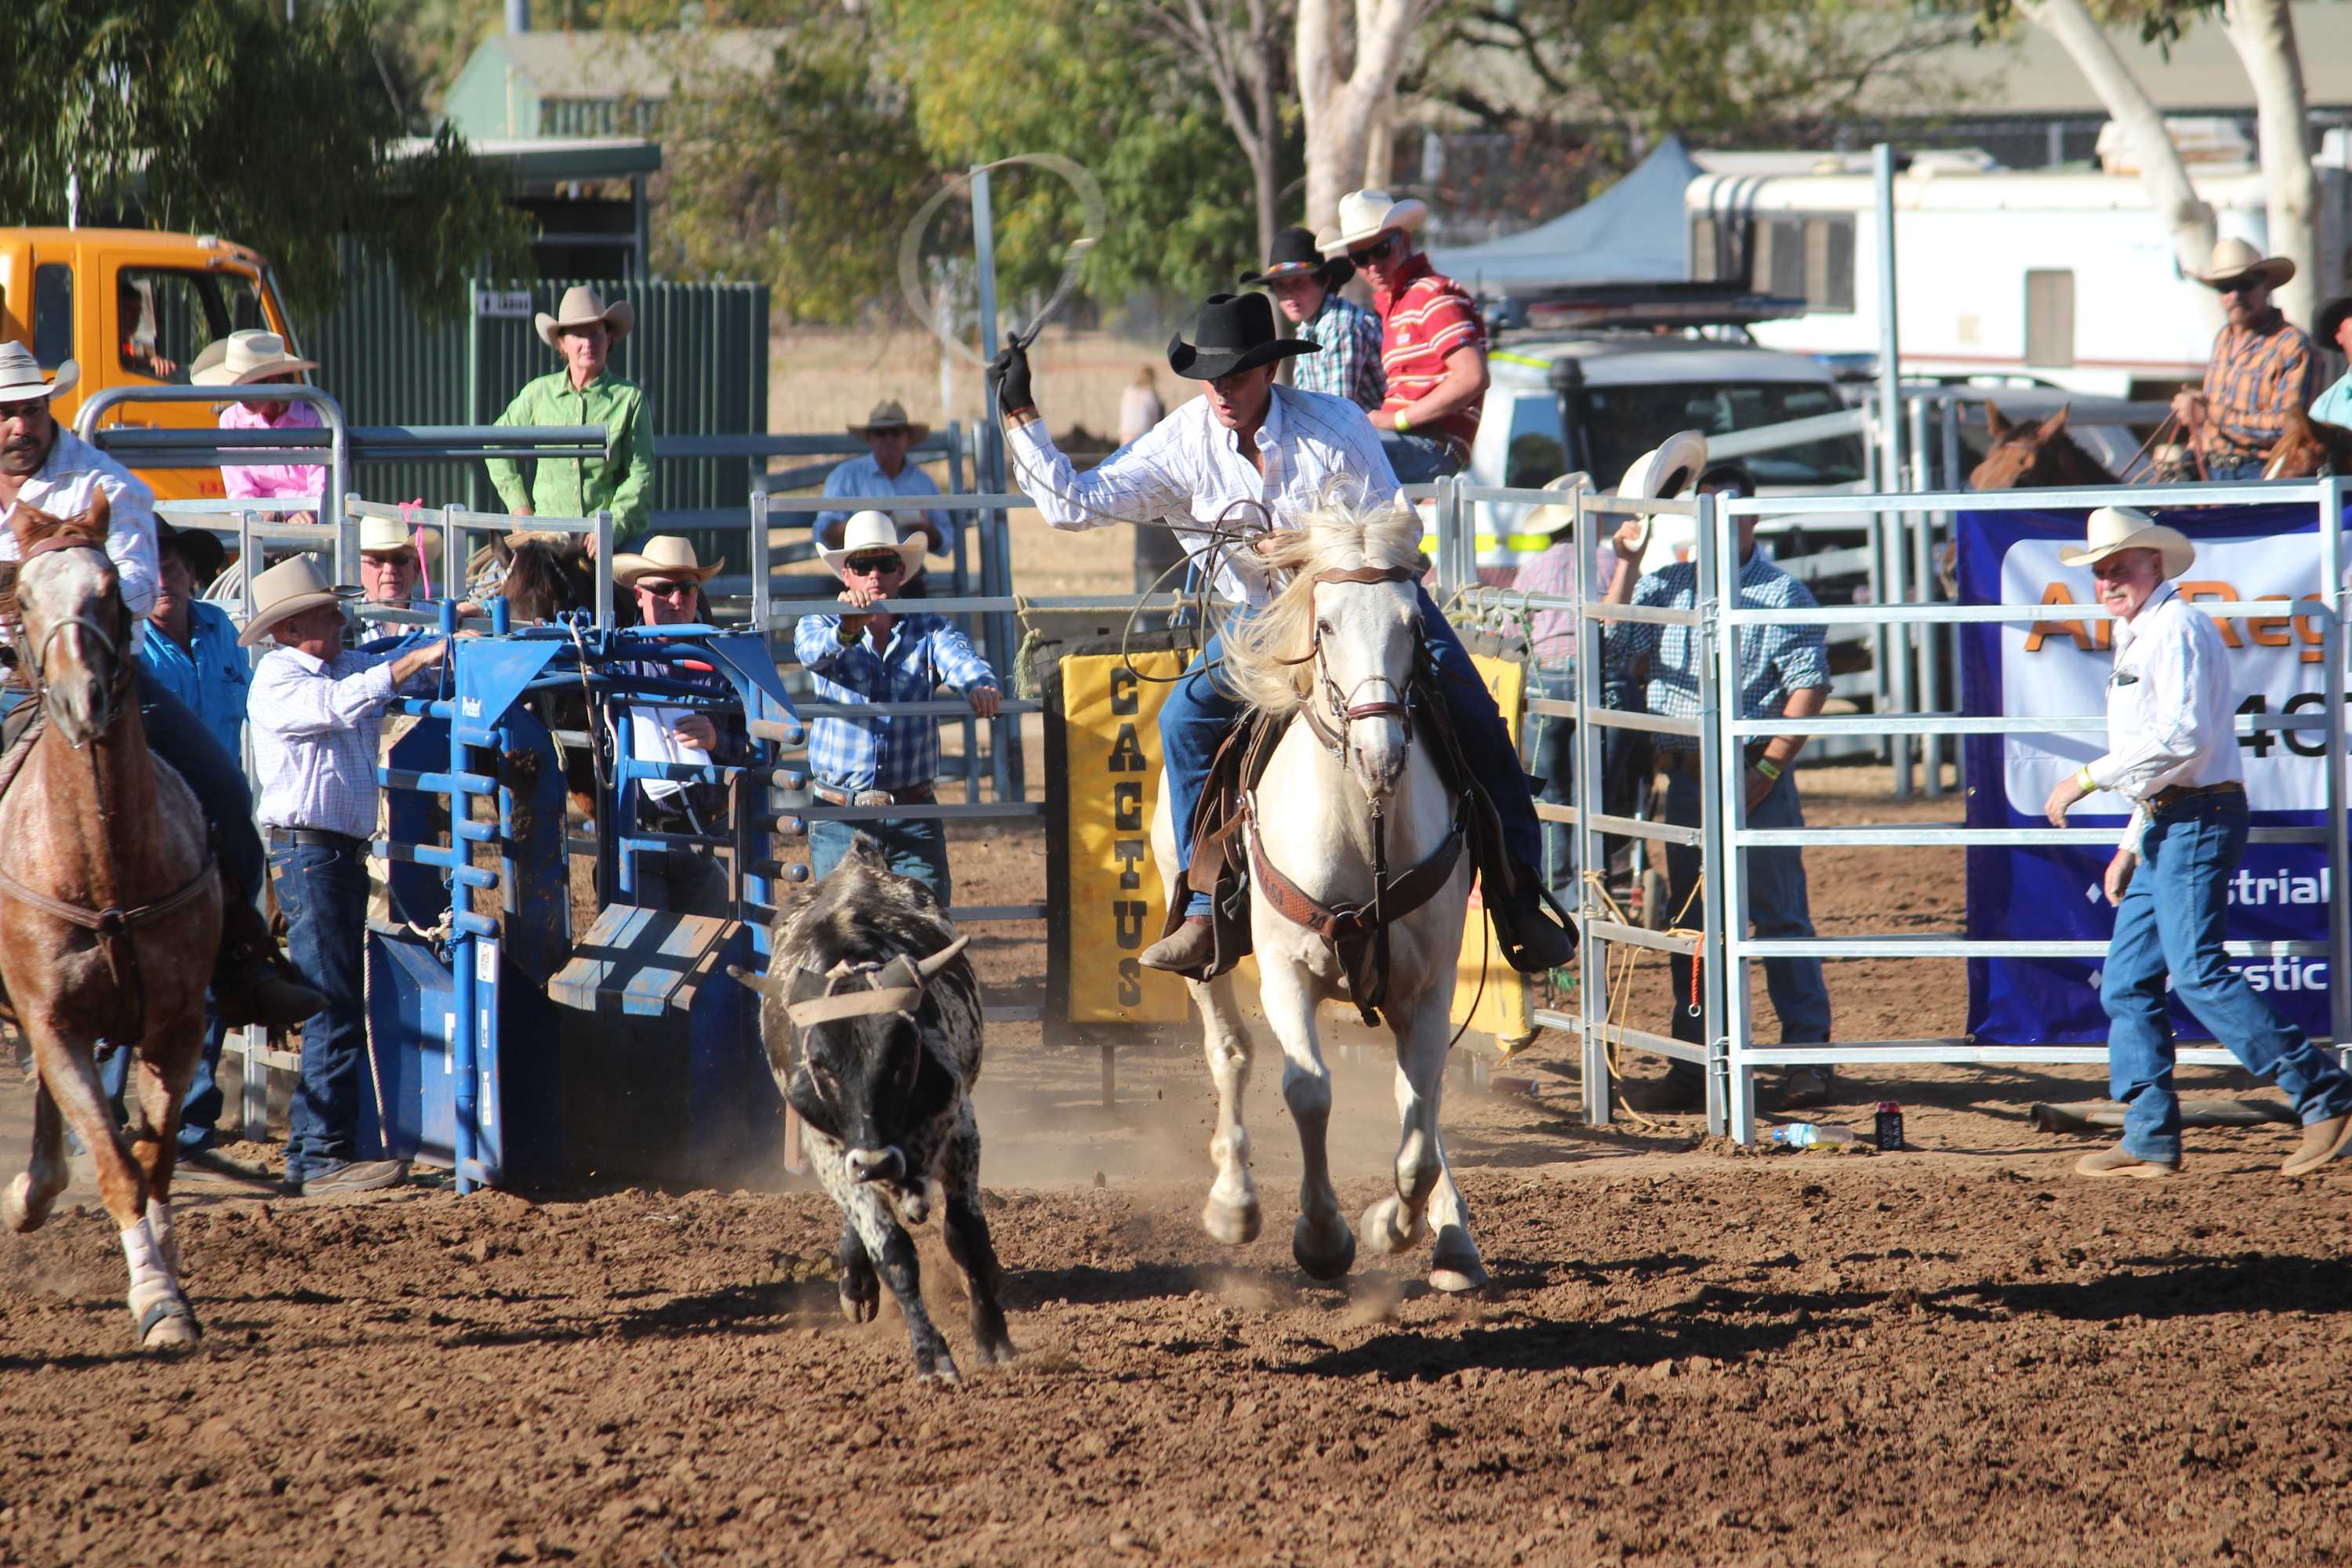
{"type": "Point", "coordinates": [167, 1240]}
{"type": "Point", "coordinates": [154, 1292]}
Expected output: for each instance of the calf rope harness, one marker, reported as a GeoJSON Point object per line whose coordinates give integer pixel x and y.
{"type": "Point", "coordinates": [114, 925]}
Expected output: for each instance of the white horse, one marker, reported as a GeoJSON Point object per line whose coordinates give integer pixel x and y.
{"type": "Point", "coordinates": [1335, 655]}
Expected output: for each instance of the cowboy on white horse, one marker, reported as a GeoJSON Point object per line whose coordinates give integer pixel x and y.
{"type": "Point", "coordinates": [1247, 441]}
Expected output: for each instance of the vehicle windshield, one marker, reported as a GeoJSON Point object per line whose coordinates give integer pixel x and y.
{"type": "Point", "coordinates": [1620, 422]}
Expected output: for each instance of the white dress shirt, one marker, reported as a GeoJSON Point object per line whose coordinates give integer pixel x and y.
{"type": "Point", "coordinates": [63, 487]}
{"type": "Point", "coordinates": [1189, 465]}
{"type": "Point", "coordinates": [316, 726]}
{"type": "Point", "coordinates": [2172, 716]}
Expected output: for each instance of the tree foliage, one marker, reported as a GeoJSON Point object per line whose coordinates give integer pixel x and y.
{"type": "Point", "coordinates": [216, 116]}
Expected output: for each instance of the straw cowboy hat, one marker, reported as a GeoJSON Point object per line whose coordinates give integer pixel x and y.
{"type": "Point", "coordinates": [20, 375]}
{"type": "Point", "coordinates": [1669, 469]}
{"type": "Point", "coordinates": [390, 536]}
{"type": "Point", "coordinates": [1231, 332]}
{"type": "Point", "coordinates": [2119, 528]}
{"type": "Point", "coordinates": [287, 589]}
{"type": "Point", "coordinates": [1557, 517]}
{"type": "Point", "coordinates": [244, 357]}
{"type": "Point", "coordinates": [667, 554]}
{"type": "Point", "coordinates": [1298, 254]}
{"type": "Point", "coordinates": [867, 530]}
{"type": "Point", "coordinates": [889, 415]}
{"type": "Point", "coordinates": [2234, 259]}
{"type": "Point", "coordinates": [583, 307]}
{"type": "Point", "coordinates": [1367, 215]}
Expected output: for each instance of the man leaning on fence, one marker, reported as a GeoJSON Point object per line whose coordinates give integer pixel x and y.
{"type": "Point", "coordinates": [2172, 753]}
{"type": "Point", "coordinates": [583, 330]}
{"type": "Point", "coordinates": [1784, 672]}
{"type": "Point", "coordinates": [869, 654]}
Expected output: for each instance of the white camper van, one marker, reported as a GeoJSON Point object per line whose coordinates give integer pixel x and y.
{"type": "Point", "coordinates": [2064, 275]}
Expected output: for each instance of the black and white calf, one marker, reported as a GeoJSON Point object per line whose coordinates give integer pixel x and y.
{"type": "Point", "coordinates": [872, 1022]}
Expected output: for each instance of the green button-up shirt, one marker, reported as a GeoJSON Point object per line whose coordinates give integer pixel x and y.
{"type": "Point", "coordinates": [575, 487]}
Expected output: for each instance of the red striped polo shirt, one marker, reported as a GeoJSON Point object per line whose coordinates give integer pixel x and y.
{"type": "Point", "coordinates": [1424, 319]}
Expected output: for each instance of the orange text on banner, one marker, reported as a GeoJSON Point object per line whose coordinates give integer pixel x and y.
{"type": "Point", "coordinates": [1111, 751]}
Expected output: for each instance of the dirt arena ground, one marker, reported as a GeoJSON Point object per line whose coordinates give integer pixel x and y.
{"type": "Point", "coordinates": [1954, 1355]}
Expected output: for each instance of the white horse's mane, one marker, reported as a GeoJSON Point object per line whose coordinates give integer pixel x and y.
{"type": "Point", "coordinates": [1265, 656]}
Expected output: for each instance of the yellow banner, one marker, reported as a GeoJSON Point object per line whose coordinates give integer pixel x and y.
{"type": "Point", "coordinates": [1111, 752]}
{"type": "Point", "coordinates": [1504, 1006]}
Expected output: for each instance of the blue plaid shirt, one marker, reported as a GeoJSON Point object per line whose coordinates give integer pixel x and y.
{"type": "Point", "coordinates": [1350, 364]}
{"type": "Point", "coordinates": [1773, 660]}
{"type": "Point", "coordinates": [886, 751]}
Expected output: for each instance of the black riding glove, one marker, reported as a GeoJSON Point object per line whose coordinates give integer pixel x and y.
{"type": "Point", "coordinates": [1008, 374]}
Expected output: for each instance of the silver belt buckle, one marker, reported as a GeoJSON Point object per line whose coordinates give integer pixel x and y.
{"type": "Point", "coordinates": [874, 797]}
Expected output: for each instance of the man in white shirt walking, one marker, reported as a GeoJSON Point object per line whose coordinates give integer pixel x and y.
{"type": "Point", "coordinates": [2173, 753]}
{"type": "Point", "coordinates": [315, 712]}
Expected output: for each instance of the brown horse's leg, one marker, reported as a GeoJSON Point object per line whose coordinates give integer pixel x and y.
{"type": "Point", "coordinates": [44, 1175]}
{"type": "Point", "coordinates": [159, 1087]}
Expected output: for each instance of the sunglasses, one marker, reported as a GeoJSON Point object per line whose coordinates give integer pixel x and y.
{"type": "Point", "coordinates": [666, 590]}
{"type": "Point", "coordinates": [875, 565]}
{"type": "Point", "coordinates": [1377, 251]}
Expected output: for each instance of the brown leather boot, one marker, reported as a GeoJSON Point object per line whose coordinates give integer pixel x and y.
{"type": "Point", "coordinates": [1189, 949]}
{"type": "Point", "coordinates": [252, 981]}
{"type": "Point", "coordinates": [2116, 1160]}
{"type": "Point", "coordinates": [2322, 1142]}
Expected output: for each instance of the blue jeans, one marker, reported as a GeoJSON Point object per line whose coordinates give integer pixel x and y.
{"type": "Point", "coordinates": [2222, 468]}
{"type": "Point", "coordinates": [915, 848]}
{"type": "Point", "coordinates": [323, 890]}
{"type": "Point", "coordinates": [1778, 908]}
{"type": "Point", "coordinates": [1549, 747]}
{"type": "Point", "coordinates": [1199, 712]}
{"type": "Point", "coordinates": [2170, 924]}
{"type": "Point", "coordinates": [1418, 459]}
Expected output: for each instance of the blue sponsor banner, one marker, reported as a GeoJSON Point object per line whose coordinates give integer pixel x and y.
{"type": "Point", "coordinates": [2058, 668]}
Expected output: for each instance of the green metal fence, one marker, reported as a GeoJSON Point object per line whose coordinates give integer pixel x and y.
{"type": "Point", "coordinates": [699, 350]}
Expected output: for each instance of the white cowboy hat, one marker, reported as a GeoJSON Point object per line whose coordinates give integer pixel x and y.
{"type": "Point", "coordinates": [20, 375]}
{"type": "Point", "coordinates": [1670, 469]}
{"type": "Point", "coordinates": [1367, 214]}
{"type": "Point", "coordinates": [390, 536]}
{"type": "Point", "coordinates": [668, 554]}
{"type": "Point", "coordinates": [867, 530]}
{"type": "Point", "coordinates": [2234, 259]}
{"type": "Point", "coordinates": [1554, 517]}
{"type": "Point", "coordinates": [2117, 528]}
{"type": "Point", "coordinates": [287, 589]}
{"type": "Point", "coordinates": [583, 307]}
{"type": "Point", "coordinates": [243, 357]}
{"type": "Point", "coordinates": [889, 415]}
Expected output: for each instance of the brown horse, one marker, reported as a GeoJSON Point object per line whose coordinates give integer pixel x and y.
{"type": "Point", "coordinates": [2306, 449]}
{"type": "Point", "coordinates": [110, 908]}
{"type": "Point", "coordinates": [544, 574]}
{"type": "Point", "coordinates": [2034, 456]}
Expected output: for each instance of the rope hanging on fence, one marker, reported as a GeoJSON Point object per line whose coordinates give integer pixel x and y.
{"type": "Point", "coordinates": [1617, 985]}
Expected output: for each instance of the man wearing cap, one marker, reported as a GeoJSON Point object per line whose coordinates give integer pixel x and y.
{"type": "Point", "coordinates": [583, 330]}
{"type": "Point", "coordinates": [254, 358]}
{"type": "Point", "coordinates": [44, 465]}
{"type": "Point", "coordinates": [2333, 326]}
{"type": "Point", "coordinates": [1784, 672]}
{"type": "Point", "coordinates": [1245, 454]}
{"type": "Point", "coordinates": [1432, 344]}
{"type": "Point", "coordinates": [1306, 288]}
{"type": "Point", "coordinates": [316, 710]}
{"type": "Point", "coordinates": [870, 653]}
{"type": "Point", "coordinates": [2263, 367]}
{"type": "Point", "coordinates": [882, 473]}
{"type": "Point", "coordinates": [2172, 753]}
{"type": "Point", "coordinates": [666, 580]}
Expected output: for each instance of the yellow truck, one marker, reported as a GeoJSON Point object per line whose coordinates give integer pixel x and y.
{"type": "Point", "coordinates": [135, 308]}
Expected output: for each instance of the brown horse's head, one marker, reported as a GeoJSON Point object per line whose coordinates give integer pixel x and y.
{"type": "Point", "coordinates": [2306, 449]}
{"type": "Point", "coordinates": [2033, 456]}
{"type": "Point", "coordinates": [77, 632]}
{"type": "Point", "coordinates": [546, 574]}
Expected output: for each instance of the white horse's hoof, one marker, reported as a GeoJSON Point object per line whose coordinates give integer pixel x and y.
{"type": "Point", "coordinates": [1381, 1231]}
{"type": "Point", "coordinates": [1233, 1223]}
{"type": "Point", "coordinates": [1323, 1259]}
{"type": "Point", "coordinates": [170, 1325]}
{"type": "Point", "coordinates": [1456, 1267]}
{"type": "Point", "coordinates": [18, 1208]}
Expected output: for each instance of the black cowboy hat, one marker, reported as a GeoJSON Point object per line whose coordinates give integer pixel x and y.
{"type": "Point", "coordinates": [1231, 332]}
{"type": "Point", "coordinates": [2331, 316]}
{"type": "Point", "coordinates": [1295, 255]}
{"type": "Point", "coordinates": [204, 553]}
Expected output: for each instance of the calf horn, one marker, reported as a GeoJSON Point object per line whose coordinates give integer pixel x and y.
{"type": "Point", "coordinates": [930, 967]}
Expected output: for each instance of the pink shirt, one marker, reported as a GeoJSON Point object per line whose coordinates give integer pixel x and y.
{"type": "Point", "coordinates": [271, 481]}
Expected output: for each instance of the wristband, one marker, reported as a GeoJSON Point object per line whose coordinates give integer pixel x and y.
{"type": "Point", "coordinates": [2083, 777]}
{"type": "Point", "coordinates": [1029, 409]}
{"type": "Point", "coordinates": [847, 638]}
{"type": "Point", "coordinates": [1402, 423]}
{"type": "Point", "coordinates": [1769, 768]}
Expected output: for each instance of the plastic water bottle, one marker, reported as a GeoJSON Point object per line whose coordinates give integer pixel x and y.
{"type": "Point", "coordinates": [1805, 1134]}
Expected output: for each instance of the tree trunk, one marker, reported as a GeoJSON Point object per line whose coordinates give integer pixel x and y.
{"type": "Point", "coordinates": [1266, 49]}
{"type": "Point", "coordinates": [2263, 32]}
{"type": "Point", "coordinates": [2186, 218]}
{"type": "Point", "coordinates": [1338, 110]}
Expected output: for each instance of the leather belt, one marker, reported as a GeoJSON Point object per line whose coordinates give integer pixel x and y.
{"type": "Point", "coordinates": [2176, 795]}
{"type": "Point", "coordinates": [319, 835]}
{"type": "Point", "coordinates": [920, 795]}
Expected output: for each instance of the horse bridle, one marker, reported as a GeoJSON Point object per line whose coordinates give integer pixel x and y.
{"type": "Point", "coordinates": [1344, 708]}
{"type": "Point", "coordinates": [120, 676]}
